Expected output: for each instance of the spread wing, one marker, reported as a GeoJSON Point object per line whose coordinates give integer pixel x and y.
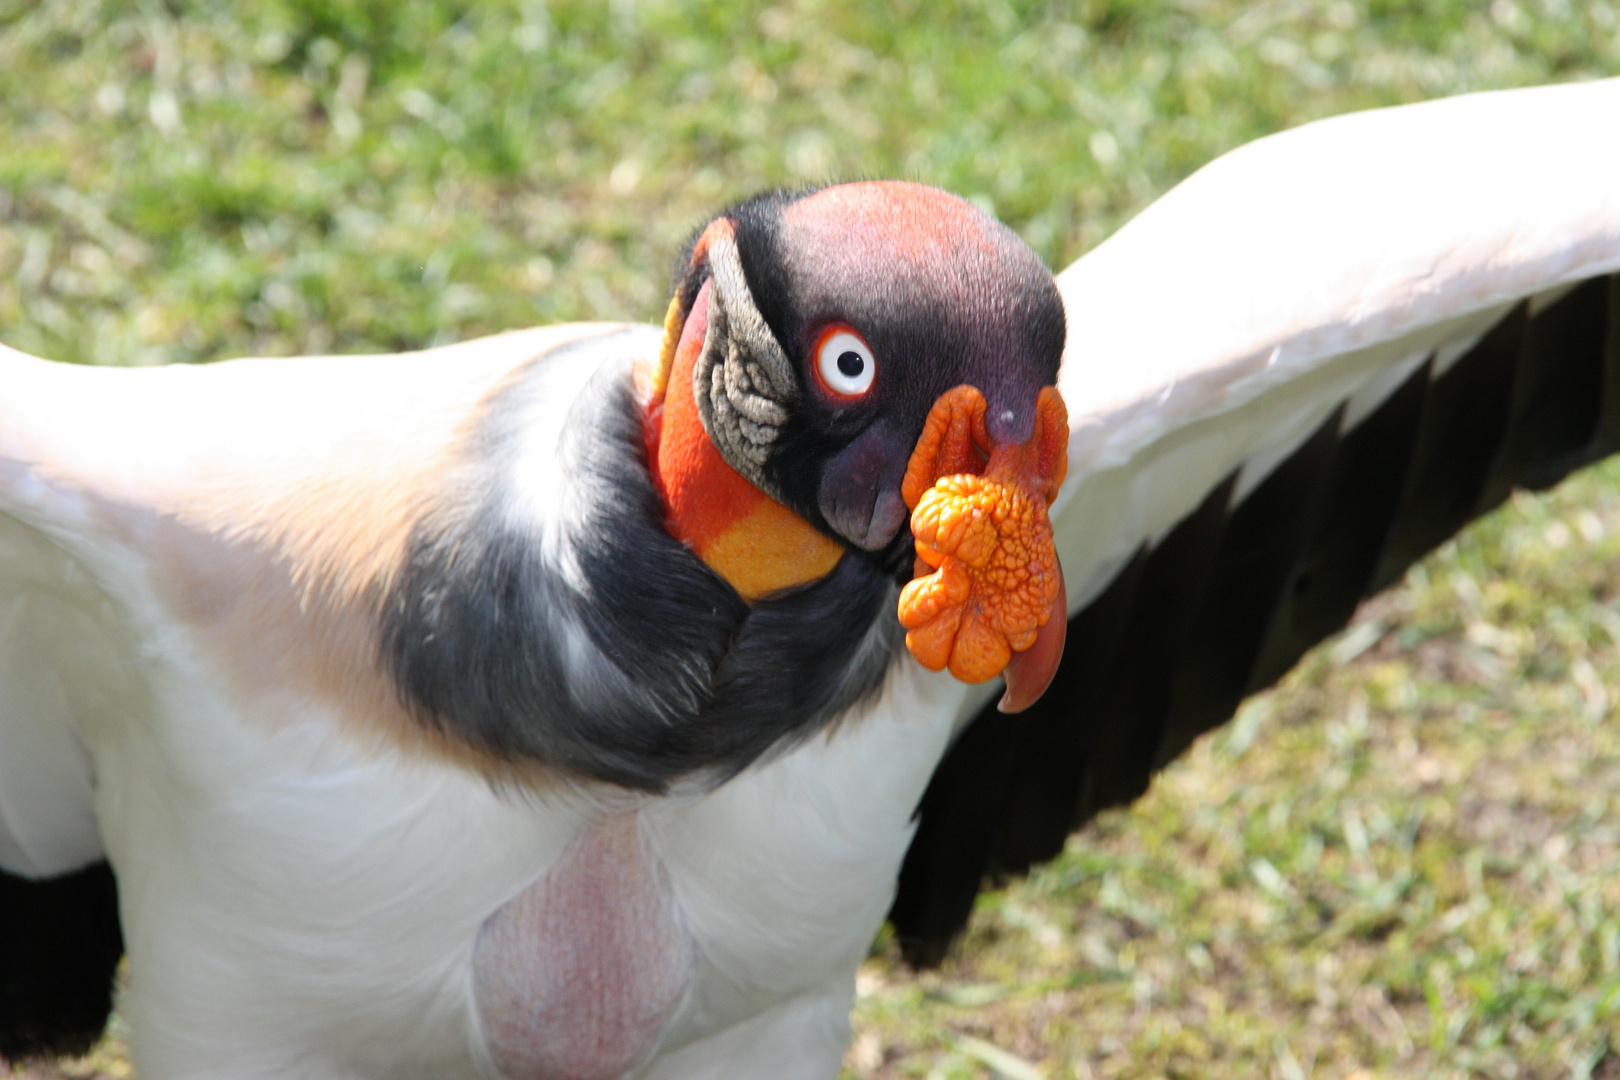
{"type": "Point", "coordinates": [1289, 379]}
{"type": "Point", "coordinates": [178, 547]}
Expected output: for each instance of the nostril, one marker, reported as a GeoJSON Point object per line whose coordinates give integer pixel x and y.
{"type": "Point", "coordinates": [1009, 425]}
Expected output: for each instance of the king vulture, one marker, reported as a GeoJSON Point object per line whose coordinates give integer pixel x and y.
{"type": "Point", "coordinates": [542, 706]}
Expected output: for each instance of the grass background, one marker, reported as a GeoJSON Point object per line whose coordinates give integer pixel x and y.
{"type": "Point", "coordinates": [1403, 863]}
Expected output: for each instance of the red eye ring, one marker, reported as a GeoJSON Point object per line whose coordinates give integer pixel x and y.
{"type": "Point", "coordinates": [843, 363]}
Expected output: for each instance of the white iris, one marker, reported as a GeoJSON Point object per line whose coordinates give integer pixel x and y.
{"type": "Point", "coordinates": [846, 364]}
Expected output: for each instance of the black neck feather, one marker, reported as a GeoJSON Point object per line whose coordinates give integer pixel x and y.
{"type": "Point", "coordinates": [595, 643]}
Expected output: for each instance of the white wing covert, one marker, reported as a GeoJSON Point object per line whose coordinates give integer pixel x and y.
{"type": "Point", "coordinates": [1289, 379]}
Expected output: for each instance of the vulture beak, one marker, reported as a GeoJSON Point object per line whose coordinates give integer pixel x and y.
{"type": "Point", "coordinates": [987, 596]}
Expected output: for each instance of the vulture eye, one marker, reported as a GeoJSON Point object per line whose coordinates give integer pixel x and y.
{"type": "Point", "coordinates": [844, 362]}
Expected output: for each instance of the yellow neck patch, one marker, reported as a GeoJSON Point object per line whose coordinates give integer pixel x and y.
{"type": "Point", "coordinates": [758, 545]}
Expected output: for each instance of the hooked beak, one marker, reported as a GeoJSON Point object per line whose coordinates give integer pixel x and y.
{"type": "Point", "coordinates": [859, 494]}
{"type": "Point", "coordinates": [988, 597]}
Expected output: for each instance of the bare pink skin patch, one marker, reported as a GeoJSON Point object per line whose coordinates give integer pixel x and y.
{"type": "Point", "coordinates": [575, 976]}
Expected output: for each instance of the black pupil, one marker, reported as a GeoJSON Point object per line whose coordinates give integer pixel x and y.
{"type": "Point", "coordinates": [850, 363]}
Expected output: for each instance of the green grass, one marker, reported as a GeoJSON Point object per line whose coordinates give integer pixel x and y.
{"type": "Point", "coordinates": [1403, 863]}
{"type": "Point", "coordinates": [189, 180]}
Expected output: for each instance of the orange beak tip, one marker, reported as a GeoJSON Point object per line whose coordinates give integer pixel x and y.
{"type": "Point", "coordinates": [1030, 672]}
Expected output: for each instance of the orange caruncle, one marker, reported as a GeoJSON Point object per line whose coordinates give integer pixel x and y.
{"type": "Point", "coordinates": [987, 573]}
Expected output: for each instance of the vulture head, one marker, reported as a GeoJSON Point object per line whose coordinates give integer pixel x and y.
{"type": "Point", "coordinates": [842, 362]}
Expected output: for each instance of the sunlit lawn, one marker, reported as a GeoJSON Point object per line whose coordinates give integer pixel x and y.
{"type": "Point", "coordinates": [1404, 862]}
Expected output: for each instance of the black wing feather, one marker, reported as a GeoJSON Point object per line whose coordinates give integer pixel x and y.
{"type": "Point", "coordinates": [60, 944]}
{"type": "Point", "coordinates": [1359, 502]}
{"type": "Point", "coordinates": [1459, 438]}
